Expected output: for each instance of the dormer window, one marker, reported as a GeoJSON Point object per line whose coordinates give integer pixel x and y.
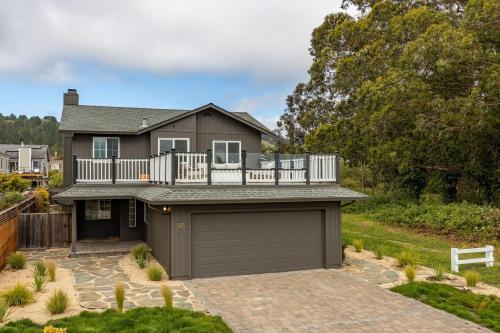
{"type": "Point", "coordinates": [106, 147]}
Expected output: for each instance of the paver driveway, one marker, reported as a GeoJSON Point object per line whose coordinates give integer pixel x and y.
{"type": "Point", "coordinates": [318, 301]}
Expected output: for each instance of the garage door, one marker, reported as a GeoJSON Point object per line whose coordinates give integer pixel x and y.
{"type": "Point", "coordinates": [256, 242]}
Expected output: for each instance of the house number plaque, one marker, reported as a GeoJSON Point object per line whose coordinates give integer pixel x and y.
{"type": "Point", "coordinates": [181, 226]}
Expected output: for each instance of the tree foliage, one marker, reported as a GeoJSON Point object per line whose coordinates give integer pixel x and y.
{"type": "Point", "coordinates": [410, 88]}
{"type": "Point", "coordinates": [34, 130]}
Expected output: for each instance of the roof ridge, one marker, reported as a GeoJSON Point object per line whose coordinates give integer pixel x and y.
{"type": "Point", "coordinates": [126, 107]}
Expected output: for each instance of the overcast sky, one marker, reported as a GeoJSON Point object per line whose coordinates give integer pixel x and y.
{"type": "Point", "coordinates": [241, 55]}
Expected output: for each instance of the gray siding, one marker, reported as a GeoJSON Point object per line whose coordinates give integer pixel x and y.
{"type": "Point", "coordinates": [205, 127]}
{"type": "Point", "coordinates": [131, 146]}
{"type": "Point", "coordinates": [68, 160]}
{"type": "Point", "coordinates": [183, 128]}
{"type": "Point", "coordinates": [158, 237]}
{"type": "Point", "coordinates": [212, 125]}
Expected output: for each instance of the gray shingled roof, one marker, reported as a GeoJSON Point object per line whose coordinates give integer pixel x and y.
{"type": "Point", "coordinates": [37, 151]}
{"type": "Point", "coordinates": [197, 195]}
{"type": "Point", "coordinates": [89, 118]}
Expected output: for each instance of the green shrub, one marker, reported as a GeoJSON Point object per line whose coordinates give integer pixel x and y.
{"type": "Point", "coordinates": [39, 268]}
{"type": "Point", "coordinates": [463, 220]}
{"type": "Point", "coordinates": [155, 272]}
{"type": "Point", "coordinates": [119, 296]}
{"type": "Point", "coordinates": [13, 182]}
{"type": "Point", "coordinates": [58, 302]}
{"type": "Point", "coordinates": [440, 272]}
{"type": "Point", "coordinates": [17, 295]}
{"type": "Point", "coordinates": [406, 258]}
{"type": "Point", "coordinates": [358, 245]}
{"type": "Point", "coordinates": [141, 261]}
{"type": "Point", "coordinates": [379, 252]}
{"type": "Point", "coordinates": [41, 199]}
{"type": "Point", "coordinates": [55, 178]}
{"type": "Point", "coordinates": [17, 260]}
{"type": "Point", "coordinates": [4, 310]}
{"type": "Point", "coordinates": [13, 197]}
{"type": "Point", "coordinates": [38, 282]}
{"type": "Point", "coordinates": [166, 293]}
{"type": "Point", "coordinates": [51, 269]}
{"type": "Point", "coordinates": [472, 278]}
{"type": "Point", "coordinates": [410, 273]}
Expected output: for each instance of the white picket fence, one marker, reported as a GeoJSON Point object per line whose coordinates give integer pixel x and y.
{"type": "Point", "coordinates": [488, 258]}
{"type": "Point", "coordinates": [90, 170]}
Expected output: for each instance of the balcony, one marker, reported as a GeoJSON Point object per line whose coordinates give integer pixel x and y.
{"type": "Point", "coordinates": [242, 168]}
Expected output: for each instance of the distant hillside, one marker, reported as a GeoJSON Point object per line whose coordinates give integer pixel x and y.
{"type": "Point", "coordinates": [34, 130]}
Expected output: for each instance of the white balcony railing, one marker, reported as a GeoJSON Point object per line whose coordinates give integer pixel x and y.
{"type": "Point", "coordinates": [195, 168]}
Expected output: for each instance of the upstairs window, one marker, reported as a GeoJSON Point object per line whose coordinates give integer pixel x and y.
{"type": "Point", "coordinates": [180, 145]}
{"type": "Point", "coordinates": [226, 152]}
{"type": "Point", "coordinates": [106, 147]}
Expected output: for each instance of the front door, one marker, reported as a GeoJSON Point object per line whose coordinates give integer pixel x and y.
{"type": "Point", "coordinates": [98, 219]}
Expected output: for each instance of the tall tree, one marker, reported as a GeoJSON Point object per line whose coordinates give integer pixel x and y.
{"type": "Point", "coordinates": [411, 88]}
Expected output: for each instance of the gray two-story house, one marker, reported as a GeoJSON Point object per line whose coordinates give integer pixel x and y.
{"type": "Point", "coordinates": [194, 185]}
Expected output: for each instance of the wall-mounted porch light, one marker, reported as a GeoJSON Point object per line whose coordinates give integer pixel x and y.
{"type": "Point", "coordinates": [166, 209]}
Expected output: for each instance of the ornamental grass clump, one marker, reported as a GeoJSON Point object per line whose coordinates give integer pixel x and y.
{"type": "Point", "coordinates": [166, 293]}
{"type": "Point", "coordinates": [17, 295]}
{"type": "Point", "coordinates": [17, 260]}
{"type": "Point", "coordinates": [119, 296]}
{"type": "Point", "coordinates": [51, 269]}
{"type": "Point", "coordinates": [4, 310]}
{"type": "Point", "coordinates": [410, 273]}
{"type": "Point", "coordinates": [358, 245]}
{"type": "Point", "coordinates": [472, 278]}
{"type": "Point", "coordinates": [58, 302]}
{"type": "Point", "coordinates": [155, 272]}
{"type": "Point", "coordinates": [39, 268]}
{"type": "Point", "coordinates": [379, 252]}
{"type": "Point", "coordinates": [439, 272]}
{"type": "Point", "coordinates": [38, 282]}
{"type": "Point", "coordinates": [141, 254]}
{"type": "Point", "coordinates": [406, 258]}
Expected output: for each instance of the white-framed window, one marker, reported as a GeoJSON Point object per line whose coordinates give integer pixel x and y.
{"type": "Point", "coordinates": [105, 147]}
{"type": "Point", "coordinates": [181, 145]}
{"type": "Point", "coordinates": [98, 209]}
{"type": "Point", "coordinates": [226, 152]}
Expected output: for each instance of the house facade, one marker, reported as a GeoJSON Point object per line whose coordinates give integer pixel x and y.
{"type": "Point", "coordinates": [27, 159]}
{"type": "Point", "coordinates": [194, 185]}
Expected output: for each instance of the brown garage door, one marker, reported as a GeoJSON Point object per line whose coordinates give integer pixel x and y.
{"type": "Point", "coordinates": [256, 242]}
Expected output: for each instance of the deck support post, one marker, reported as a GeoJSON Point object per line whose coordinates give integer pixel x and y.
{"type": "Point", "coordinates": [75, 169]}
{"type": "Point", "coordinates": [174, 165]}
{"type": "Point", "coordinates": [307, 166]}
{"type": "Point", "coordinates": [276, 168]}
{"type": "Point", "coordinates": [113, 169]}
{"type": "Point", "coordinates": [337, 167]}
{"type": "Point", "coordinates": [209, 166]}
{"type": "Point", "coordinates": [243, 167]}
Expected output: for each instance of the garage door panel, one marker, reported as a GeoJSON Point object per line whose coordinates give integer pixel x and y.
{"type": "Point", "coordinates": [256, 242]}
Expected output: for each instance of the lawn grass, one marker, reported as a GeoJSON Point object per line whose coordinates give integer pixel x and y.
{"type": "Point", "coordinates": [136, 320]}
{"type": "Point", "coordinates": [481, 309]}
{"type": "Point", "coordinates": [428, 249]}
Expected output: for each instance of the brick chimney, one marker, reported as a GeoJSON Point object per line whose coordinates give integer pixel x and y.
{"type": "Point", "coordinates": [71, 97]}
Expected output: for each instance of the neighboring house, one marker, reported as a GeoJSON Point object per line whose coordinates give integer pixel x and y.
{"type": "Point", "coordinates": [194, 185]}
{"type": "Point", "coordinates": [4, 163]}
{"type": "Point", "coordinates": [30, 159]}
{"type": "Point", "coordinates": [56, 163]}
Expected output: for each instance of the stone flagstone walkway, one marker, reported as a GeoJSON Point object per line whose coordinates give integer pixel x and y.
{"type": "Point", "coordinates": [95, 278]}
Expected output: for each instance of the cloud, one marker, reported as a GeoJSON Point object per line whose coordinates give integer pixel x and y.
{"type": "Point", "coordinates": [59, 73]}
{"type": "Point", "coordinates": [267, 39]}
{"type": "Point", "coordinates": [272, 102]}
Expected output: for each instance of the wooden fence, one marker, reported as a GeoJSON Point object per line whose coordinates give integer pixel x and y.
{"type": "Point", "coordinates": [44, 230]}
{"type": "Point", "coordinates": [9, 229]}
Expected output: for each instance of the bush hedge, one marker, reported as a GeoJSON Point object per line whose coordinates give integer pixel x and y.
{"type": "Point", "coordinates": [463, 220]}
